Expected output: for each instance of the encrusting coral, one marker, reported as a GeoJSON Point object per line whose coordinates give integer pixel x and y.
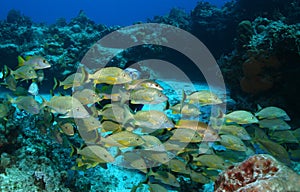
{"type": "Point", "coordinates": [258, 173]}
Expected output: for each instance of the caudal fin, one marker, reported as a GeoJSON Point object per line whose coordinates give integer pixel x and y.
{"type": "Point", "coordinates": [56, 83]}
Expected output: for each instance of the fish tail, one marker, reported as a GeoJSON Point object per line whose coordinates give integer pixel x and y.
{"type": "Point", "coordinates": [124, 97]}
{"type": "Point", "coordinates": [73, 150]}
{"type": "Point", "coordinates": [7, 71]}
{"type": "Point", "coordinates": [56, 83]}
{"type": "Point", "coordinates": [85, 75]}
{"type": "Point", "coordinates": [128, 116]}
{"type": "Point", "coordinates": [182, 100]}
{"type": "Point", "coordinates": [21, 61]}
{"type": "Point", "coordinates": [44, 102]}
{"type": "Point", "coordinates": [10, 99]}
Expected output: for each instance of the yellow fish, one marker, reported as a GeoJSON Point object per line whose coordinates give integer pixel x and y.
{"type": "Point", "coordinates": [67, 106]}
{"type": "Point", "coordinates": [204, 97]}
{"type": "Point", "coordinates": [25, 73]}
{"type": "Point", "coordinates": [233, 143]}
{"type": "Point", "coordinates": [36, 62]}
{"type": "Point", "coordinates": [241, 117]}
{"type": "Point", "coordinates": [272, 113]}
{"type": "Point", "coordinates": [123, 139]}
{"type": "Point", "coordinates": [87, 96]}
{"type": "Point", "coordinates": [110, 75]}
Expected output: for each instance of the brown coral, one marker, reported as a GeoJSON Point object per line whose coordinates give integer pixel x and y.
{"type": "Point", "coordinates": [259, 73]}
{"type": "Point", "coordinates": [258, 173]}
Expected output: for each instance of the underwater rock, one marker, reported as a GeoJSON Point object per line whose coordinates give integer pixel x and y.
{"type": "Point", "coordinates": [258, 173]}
{"type": "Point", "coordinates": [244, 33]}
{"type": "Point", "coordinates": [8, 54]}
{"type": "Point", "coordinates": [15, 17]}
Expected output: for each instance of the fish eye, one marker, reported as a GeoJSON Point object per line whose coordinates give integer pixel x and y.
{"type": "Point", "coordinates": [30, 71]}
{"type": "Point", "coordinates": [160, 95]}
{"type": "Point", "coordinates": [44, 61]}
{"type": "Point", "coordinates": [77, 108]}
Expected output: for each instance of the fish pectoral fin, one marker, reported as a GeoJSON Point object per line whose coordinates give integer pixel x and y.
{"type": "Point", "coordinates": [65, 115]}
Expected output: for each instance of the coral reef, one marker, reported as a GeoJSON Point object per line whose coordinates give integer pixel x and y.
{"type": "Point", "coordinates": [260, 54]}
{"type": "Point", "coordinates": [258, 173]}
{"type": "Point", "coordinates": [261, 63]}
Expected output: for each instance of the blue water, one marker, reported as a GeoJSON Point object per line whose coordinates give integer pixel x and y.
{"type": "Point", "coordinates": [108, 12]}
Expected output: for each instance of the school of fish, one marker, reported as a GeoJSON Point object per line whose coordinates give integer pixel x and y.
{"type": "Point", "coordinates": [106, 110]}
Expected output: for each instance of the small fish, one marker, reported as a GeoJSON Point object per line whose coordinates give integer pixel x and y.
{"type": "Point", "coordinates": [110, 75]}
{"type": "Point", "coordinates": [156, 157]}
{"type": "Point", "coordinates": [135, 160]}
{"type": "Point", "coordinates": [36, 62]}
{"type": "Point", "coordinates": [33, 89]}
{"type": "Point", "coordinates": [10, 82]}
{"type": "Point", "coordinates": [178, 166]}
{"type": "Point", "coordinates": [185, 136]}
{"type": "Point", "coordinates": [296, 133]}
{"type": "Point", "coordinates": [204, 97]}
{"type": "Point", "coordinates": [46, 117]}
{"type": "Point", "coordinates": [272, 113]}
{"type": "Point", "coordinates": [115, 112]}
{"type": "Point", "coordinates": [210, 161]}
{"type": "Point", "coordinates": [151, 142]}
{"type": "Point", "coordinates": [73, 80]}
{"type": "Point", "coordinates": [275, 149]}
{"type": "Point", "coordinates": [4, 110]}
{"type": "Point", "coordinates": [133, 73]}
{"type": "Point", "coordinates": [151, 119]}
{"type": "Point", "coordinates": [274, 124]}
{"type": "Point", "coordinates": [114, 97]}
{"type": "Point", "coordinates": [20, 91]}
{"type": "Point", "coordinates": [123, 139]}
{"type": "Point", "coordinates": [94, 153]}
{"type": "Point", "coordinates": [87, 96]}
{"type": "Point", "coordinates": [142, 83]}
{"type": "Point", "coordinates": [110, 126]}
{"type": "Point", "coordinates": [146, 96]}
{"type": "Point", "coordinates": [25, 73]}
{"type": "Point", "coordinates": [199, 177]}
{"type": "Point", "coordinates": [88, 124]}
{"type": "Point", "coordinates": [295, 154]}
{"type": "Point", "coordinates": [66, 127]}
{"type": "Point", "coordinates": [67, 106]}
{"type": "Point", "coordinates": [156, 188]}
{"type": "Point", "coordinates": [235, 130]}
{"type": "Point", "coordinates": [27, 103]}
{"type": "Point", "coordinates": [165, 178]}
{"type": "Point", "coordinates": [83, 164]}
{"type": "Point", "coordinates": [241, 117]}
{"type": "Point", "coordinates": [203, 129]}
{"type": "Point", "coordinates": [89, 137]}
{"type": "Point", "coordinates": [233, 143]}
{"type": "Point", "coordinates": [40, 75]}
{"type": "Point", "coordinates": [283, 137]}
{"type": "Point", "coordinates": [186, 109]}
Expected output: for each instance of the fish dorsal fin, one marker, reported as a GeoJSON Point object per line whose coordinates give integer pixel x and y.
{"type": "Point", "coordinates": [259, 107]}
{"type": "Point", "coordinates": [21, 61]}
{"type": "Point", "coordinates": [28, 57]}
